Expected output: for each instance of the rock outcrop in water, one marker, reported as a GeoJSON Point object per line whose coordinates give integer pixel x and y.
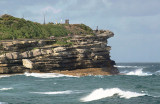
{"type": "Point", "coordinates": [86, 51]}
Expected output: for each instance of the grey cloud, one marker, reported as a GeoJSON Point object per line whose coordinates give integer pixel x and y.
{"type": "Point", "coordinates": [118, 7]}
{"type": "Point", "coordinates": [135, 7]}
{"type": "Point", "coordinates": [12, 6]}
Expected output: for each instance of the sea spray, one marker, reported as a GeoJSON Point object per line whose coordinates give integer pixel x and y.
{"type": "Point", "coordinates": [103, 93]}
{"type": "Point", "coordinates": [125, 66]}
{"type": "Point", "coordinates": [138, 72]}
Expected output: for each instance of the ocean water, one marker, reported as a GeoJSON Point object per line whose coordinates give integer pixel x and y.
{"type": "Point", "coordinates": [140, 84]}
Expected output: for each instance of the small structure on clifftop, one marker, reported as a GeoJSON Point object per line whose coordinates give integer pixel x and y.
{"type": "Point", "coordinates": [67, 21]}
{"type": "Point", "coordinates": [97, 29]}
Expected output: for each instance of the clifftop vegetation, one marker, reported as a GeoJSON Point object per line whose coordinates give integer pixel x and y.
{"type": "Point", "coordinates": [19, 28]}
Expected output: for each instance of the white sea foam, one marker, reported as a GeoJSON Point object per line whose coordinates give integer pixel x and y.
{"type": "Point", "coordinates": [104, 93]}
{"type": "Point", "coordinates": [99, 76]}
{"type": "Point", "coordinates": [1, 76]}
{"type": "Point", "coordinates": [4, 89]}
{"type": "Point", "coordinates": [59, 92]}
{"type": "Point", "coordinates": [126, 66]}
{"type": "Point", "coordinates": [138, 72]}
{"type": "Point", "coordinates": [46, 75]}
{"type": "Point", "coordinates": [55, 92]}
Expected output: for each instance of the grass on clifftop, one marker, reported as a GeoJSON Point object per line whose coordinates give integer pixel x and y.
{"type": "Point", "coordinates": [19, 28]}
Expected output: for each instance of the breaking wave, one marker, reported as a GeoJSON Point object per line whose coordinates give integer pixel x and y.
{"type": "Point", "coordinates": [5, 89]}
{"type": "Point", "coordinates": [138, 72]}
{"type": "Point", "coordinates": [46, 75]}
{"type": "Point", "coordinates": [104, 93]}
{"type": "Point", "coordinates": [157, 72]}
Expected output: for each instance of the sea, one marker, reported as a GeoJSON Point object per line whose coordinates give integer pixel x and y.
{"type": "Point", "coordinates": [139, 83]}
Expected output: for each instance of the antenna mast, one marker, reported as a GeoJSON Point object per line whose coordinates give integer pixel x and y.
{"type": "Point", "coordinates": [44, 19]}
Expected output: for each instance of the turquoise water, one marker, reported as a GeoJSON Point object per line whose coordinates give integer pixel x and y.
{"type": "Point", "coordinates": [139, 85]}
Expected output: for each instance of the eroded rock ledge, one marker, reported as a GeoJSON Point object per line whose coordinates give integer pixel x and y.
{"type": "Point", "coordinates": [86, 51]}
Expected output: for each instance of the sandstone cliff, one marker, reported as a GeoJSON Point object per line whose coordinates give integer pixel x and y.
{"type": "Point", "coordinates": [44, 55]}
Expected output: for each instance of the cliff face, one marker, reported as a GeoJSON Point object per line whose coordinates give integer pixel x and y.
{"type": "Point", "coordinates": [86, 51]}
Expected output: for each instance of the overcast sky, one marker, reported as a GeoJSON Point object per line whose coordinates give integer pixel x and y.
{"type": "Point", "coordinates": [136, 23]}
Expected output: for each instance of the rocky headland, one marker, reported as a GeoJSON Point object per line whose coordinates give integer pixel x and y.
{"type": "Point", "coordinates": [74, 54]}
{"type": "Point", "coordinates": [42, 55]}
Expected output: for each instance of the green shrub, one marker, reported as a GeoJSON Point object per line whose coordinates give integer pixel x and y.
{"type": "Point", "coordinates": [16, 28]}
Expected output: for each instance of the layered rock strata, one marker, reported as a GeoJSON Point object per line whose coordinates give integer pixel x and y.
{"type": "Point", "coordinates": [86, 51]}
